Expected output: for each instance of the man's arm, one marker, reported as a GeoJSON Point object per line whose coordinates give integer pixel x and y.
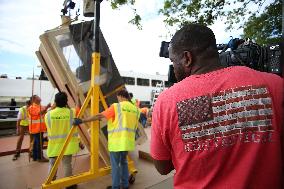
{"type": "Point", "coordinates": [164, 167]}
{"type": "Point", "coordinates": [108, 114]}
{"type": "Point", "coordinates": [160, 149]}
{"type": "Point", "coordinates": [44, 110]}
{"type": "Point", "coordinates": [93, 118]}
{"type": "Point", "coordinates": [18, 127]}
{"type": "Point", "coordinates": [77, 100]}
{"type": "Point", "coordinates": [19, 119]}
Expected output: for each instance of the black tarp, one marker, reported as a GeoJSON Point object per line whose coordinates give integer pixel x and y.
{"type": "Point", "coordinates": [82, 39]}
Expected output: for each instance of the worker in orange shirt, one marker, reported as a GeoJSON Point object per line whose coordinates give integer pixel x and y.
{"type": "Point", "coordinates": [144, 115]}
{"type": "Point", "coordinates": [37, 127]}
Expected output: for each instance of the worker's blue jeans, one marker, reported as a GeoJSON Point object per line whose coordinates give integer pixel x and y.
{"type": "Point", "coordinates": [37, 146]}
{"type": "Point", "coordinates": [143, 119]}
{"type": "Point", "coordinates": [119, 169]}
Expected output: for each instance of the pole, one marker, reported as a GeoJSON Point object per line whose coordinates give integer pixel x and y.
{"type": "Point", "coordinates": [97, 25]}
{"type": "Point", "coordinates": [31, 121]}
{"type": "Point", "coordinates": [40, 132]}
{"type": "Point", "coordinates": [95, 73]}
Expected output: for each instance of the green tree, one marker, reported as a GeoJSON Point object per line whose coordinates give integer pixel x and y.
{"type": "Point", "coordinates": [262, 24]}
{"type": "Point", "coordinates": [265, 28]}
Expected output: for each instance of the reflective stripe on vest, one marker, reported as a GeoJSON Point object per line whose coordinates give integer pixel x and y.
{"type": "Point", "coordinates": [61, 136]}
{"type": "Point", "coordinates": [48, 120]}
{"type": "Point", "coordinates": [35, 121]}
{"type": "Point", "coordinates": [59, 123]}
{"type": "Point", "coordinates": [122, 130]}
{"type": "Point", "coordinates": [120, 127]}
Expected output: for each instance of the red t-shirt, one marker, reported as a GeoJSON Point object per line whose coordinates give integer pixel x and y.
{"type": "Point", "coordinates": [221, 130]}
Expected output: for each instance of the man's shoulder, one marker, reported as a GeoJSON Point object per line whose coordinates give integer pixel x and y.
{"type": "Point", "coordinates": [253, 71]}
{"type": "Point", "coordinates": [56, 109]}
{"type": "Point", "coordinates": [125, 103]}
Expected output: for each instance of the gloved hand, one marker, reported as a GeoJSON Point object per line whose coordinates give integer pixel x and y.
{"type": "Point", "coordinates": [77, 121]}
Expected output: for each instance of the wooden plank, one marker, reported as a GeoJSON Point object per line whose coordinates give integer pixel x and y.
{"type": "Point", "coordinates": [60, 74]}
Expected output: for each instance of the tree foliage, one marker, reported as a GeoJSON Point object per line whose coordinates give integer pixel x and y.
{"type": "Point", "coordinates": [136, 20]}
{"type": "Point", "coordinates": [237, 14]}
{"type": "Point", "coordinates": [265, 28]}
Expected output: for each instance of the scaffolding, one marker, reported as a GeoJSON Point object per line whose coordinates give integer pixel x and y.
{"type": "Point", "coordinates": [58, 72]}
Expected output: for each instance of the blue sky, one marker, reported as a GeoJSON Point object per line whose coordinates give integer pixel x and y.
{"type": "Point", "coordinates": [135, 50]}
{"type": "Point", "coordinates": [15, 64]}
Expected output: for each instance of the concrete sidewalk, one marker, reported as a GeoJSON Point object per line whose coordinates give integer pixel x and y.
{"type": "Point", "coordinates": [22, 174]}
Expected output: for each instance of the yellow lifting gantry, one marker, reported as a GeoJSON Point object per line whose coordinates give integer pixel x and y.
{"type": "Point", "coordinates": [94, 96]}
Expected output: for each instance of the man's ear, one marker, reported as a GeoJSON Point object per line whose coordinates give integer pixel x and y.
{"type": "Point", "coordinates": [187, 58]}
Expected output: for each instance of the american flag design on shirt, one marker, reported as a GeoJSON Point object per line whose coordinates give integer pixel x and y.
{"type": "Point", "coordinates": [231, 112]}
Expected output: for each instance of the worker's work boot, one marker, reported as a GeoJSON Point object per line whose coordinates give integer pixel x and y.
{"type": "Point", "coordinates": [16, 156]}
{"type": "Point", "coordinates": [110, 187]}
{"type": "Point", "coordinates": [42, 160]}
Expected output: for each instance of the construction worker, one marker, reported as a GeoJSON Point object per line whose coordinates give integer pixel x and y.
{"type": "Point", "coordinates": [22, 127]}
{"type": "Point", "coordinates": [144, 115]}
{"type": "Point", "coordinates": [218, 127]}
{"type": "Point", "coordinates": [59, 121]}
{"type": "Point", "coordinates": [37, 127]}
{"type": "Point", "coordinates": [123, 120]}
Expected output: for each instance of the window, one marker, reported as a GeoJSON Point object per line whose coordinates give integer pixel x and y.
{"type": "Point", "coordinates": [129, 80]}
{"type": "Point", "coordinates": [145, 104]}
{"type": "Point", "coordinates": [154, 82]}
{"type": "Point", "coordinates": [142, 82]}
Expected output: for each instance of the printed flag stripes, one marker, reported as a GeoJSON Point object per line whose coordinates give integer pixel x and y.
{"type": "Point", "coordinates": [225, 113]}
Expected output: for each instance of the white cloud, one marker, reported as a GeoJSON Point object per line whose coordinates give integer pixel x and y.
{"type": "Point", "coordinates": [134, 49]}
{"type": "Point", "coordinates": [221, 35]}
{"type": "Point", "coordinates": [22, 22]}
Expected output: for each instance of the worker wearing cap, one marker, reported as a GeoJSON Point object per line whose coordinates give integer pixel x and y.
{"type": "Point", "coordinates": [37, 127]}
{"type": "Point", "coordinates": [123, 120]}
{"type": "Point", "coordinates": [22, 127]}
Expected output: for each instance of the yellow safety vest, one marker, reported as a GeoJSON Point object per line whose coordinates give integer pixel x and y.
{"type": "Point", "coordinates": [121, 131]}
{"type": "Point", "coordinates": [24, 116]}
{"type": "Point", "coordinates": [59, 123]}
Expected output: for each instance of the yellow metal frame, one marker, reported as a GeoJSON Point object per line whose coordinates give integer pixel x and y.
{"type": "Point", "coordinates": [94, 96]}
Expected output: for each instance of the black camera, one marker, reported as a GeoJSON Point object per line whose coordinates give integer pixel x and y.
{"type": "Point", "coordinates": [242, 53]}
{"type": "Point", "coordinates": [164, 50]}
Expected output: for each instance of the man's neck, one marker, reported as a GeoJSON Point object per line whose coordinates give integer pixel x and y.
{"type": "Point", "coordinates": [123, 100]}
{"type": "Point", "coordinates": [206, 66]}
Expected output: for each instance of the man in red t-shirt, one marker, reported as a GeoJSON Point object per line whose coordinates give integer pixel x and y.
{"type": "Point", "coordinates": [217, 127]}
